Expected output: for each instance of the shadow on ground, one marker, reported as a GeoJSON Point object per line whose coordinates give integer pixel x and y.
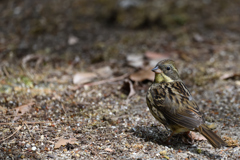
{"type": "Point", "coordinates": [159, 136]}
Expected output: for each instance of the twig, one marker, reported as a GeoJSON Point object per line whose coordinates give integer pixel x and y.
{"type": "Point", "coordinates": [30, 57]}
{"type": "Point", "coordinates": [64, 109]}
{"type": "Point", "coordinates": [101, 82]}
{"type": "Point", "coordinates": [5, 71]}
{"type": "Point", "coordinates": [28, 129]}
{"type": "Point", "coordinates": [11, 134]}
{"type": "Point", "coordinates": [26, 122]}
{"type": "Point", "coordinates": [72, 122]}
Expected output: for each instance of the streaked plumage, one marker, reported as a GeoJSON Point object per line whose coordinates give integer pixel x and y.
{"type": "Point", "coordinates": [171, 103]}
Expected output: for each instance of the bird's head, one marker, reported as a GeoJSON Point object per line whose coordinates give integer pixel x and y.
{"type": "Point", "coordinates": [165, 71]}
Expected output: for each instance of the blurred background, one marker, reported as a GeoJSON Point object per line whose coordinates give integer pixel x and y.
{"type": "Point", "coordinates": [105, 30]}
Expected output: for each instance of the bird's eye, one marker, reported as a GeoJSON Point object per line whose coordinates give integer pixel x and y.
{"type": "Point", "coordinates": [168, 68]}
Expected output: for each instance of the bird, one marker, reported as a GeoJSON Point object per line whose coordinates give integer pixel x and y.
{"type": "Point", "coordinates": [171, 103]}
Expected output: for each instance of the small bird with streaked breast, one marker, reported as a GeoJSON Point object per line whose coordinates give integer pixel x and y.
{"type": "Point", "coordinates": [171, 103]}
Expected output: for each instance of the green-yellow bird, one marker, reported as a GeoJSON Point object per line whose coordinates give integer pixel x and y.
{"type": "Point", "coordinates": [171, 103]}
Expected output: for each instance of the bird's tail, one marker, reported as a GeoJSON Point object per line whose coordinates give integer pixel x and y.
{"type": "Point", "coordinates": [212, 138]}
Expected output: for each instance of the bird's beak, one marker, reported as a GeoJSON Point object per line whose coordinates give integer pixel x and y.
{"type": "Point", "coordinates": [157, 70]}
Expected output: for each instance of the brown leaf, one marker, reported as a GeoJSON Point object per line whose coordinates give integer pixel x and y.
{"type": "Point", "coordinates": [104, 72]}
{"type": "Point", "coordinates": [135, 60]}
{"type": "Point", "coordinates": [108, 80]}
{"type": "Point", "coordinates": [62, 142]}
{"type": "Point", "coordinates": [83, 77]}
{"type": "Point", "coordinates": [155, 55]}
{"type": "Point", "coordinates": [24, 108]}
{"type": "Point", "coordinates": [144, 74]}
{"type": "Point", "coordinates": [19, 111]}
{"type": "Point", "coordinates": [197, 136]}
{"type": "Point", "coordinates": [234, 76]}
{"type": "Point", "coordinates": [109, 150]}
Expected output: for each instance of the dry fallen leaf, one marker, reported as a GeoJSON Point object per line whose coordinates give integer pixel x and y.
{"type": "Point", "coordinates": [197, 136]}
{"type": "Point", "coordinates": [104, 72]}
{"type": "Point", "coordinates": [24, 108]}
{"type": "Point", "coordinates": [237, 83]}
{"type": "Point", "coordinates": [234, 76]}
{"type": "Point", "coordinates": [62, 142]}
{"type": "Point", "coordinates": [135, 60]}
{"type": "Point", "coordinates": [3, 110]}
{"type": "Point", "coordinates": [83, 77]}
{"type": "Point", "coordinates": [109, 150]}
{"type": "Point", "coordinates": [158, 56]}
{"type": "Point", "coordinates": [144, 74]}
{"type": "Point", "coordinates": [19, 111]}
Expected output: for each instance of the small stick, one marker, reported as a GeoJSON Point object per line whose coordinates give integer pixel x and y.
{"type": "Point", "coordinates": [11, 134]}
{"type": "Point", "coordinates": [64, 109]}
{"type": "Point", "coordinates": [28, 129]}
{"type": "Point", "coordinates": [26, 122]}
{"type": "Point", "coordinates": [38, 122]}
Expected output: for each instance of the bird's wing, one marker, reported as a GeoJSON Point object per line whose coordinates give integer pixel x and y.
{"type": "Point", "coordinates": [178, 107]}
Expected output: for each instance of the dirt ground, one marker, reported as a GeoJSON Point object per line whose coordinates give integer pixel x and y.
{"type": "Point", "coordinates": [74, 76]}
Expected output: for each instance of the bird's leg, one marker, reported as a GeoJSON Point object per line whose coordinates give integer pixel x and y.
{"type": "Point", "coordinates": [188, 135]}
{"type": "Point", "coordinates": [166, 128]}
{"type": "Point", "coordinates": [167, 141]}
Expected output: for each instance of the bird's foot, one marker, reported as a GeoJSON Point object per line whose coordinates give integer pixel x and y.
{"type": "Point", "coordinates": [187, 138]}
